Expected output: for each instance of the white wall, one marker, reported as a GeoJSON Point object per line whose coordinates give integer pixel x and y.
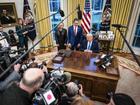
{"type": "Point", "coordinates": [19, 8]}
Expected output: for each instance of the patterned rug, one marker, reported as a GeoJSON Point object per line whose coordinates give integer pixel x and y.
{"type": "Point", "coordinates": [129, 64]}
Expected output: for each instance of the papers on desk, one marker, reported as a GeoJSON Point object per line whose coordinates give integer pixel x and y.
{"type": "Point", "coordinates": [103, 35]}
{"type": "Point", "coordinates": [56, 65]}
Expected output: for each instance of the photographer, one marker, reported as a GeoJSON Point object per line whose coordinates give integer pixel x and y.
{"type": "Point", "coordinates": [121, 99]}
{"type": "Point", "coordinates": [20, 94]}
{"type": "Point", "coordinates": [4, 38]}
{"type": "Point", "coordinates": [14, 76]}
{"type": "Point", "coordinates": [74, 92]}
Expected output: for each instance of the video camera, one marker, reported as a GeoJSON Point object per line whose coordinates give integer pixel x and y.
{"type": "Point", "coordinates": [104, 61]}
{"type": "Point", "coordinates": [52, 91]}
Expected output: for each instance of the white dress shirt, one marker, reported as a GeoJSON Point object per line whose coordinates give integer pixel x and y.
{"type": "Point", "coordinates": [89, 44]}
{"type": "Point", "coordinates": [75, 28]}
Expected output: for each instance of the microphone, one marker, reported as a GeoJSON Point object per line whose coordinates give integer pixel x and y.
{"type": "Point", "coordinates": [61, 13]}
{"type": "Point", "coordinates": [119, 26]}
{"type": "Point", "coordinates": [66, 77]}
{"type": "Point", "coordinates": [79, 12]}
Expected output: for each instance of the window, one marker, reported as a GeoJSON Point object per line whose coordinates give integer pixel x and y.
{"type": "Point", "coordinates": [55, 19]}
{"type": "Point", "coordinates": [98, 7]}
{"type": "Point", "coordinates": [136, 41]}
{"type": "Point", "coordinates": [54, 7]}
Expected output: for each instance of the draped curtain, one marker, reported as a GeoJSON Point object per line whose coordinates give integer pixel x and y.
{"type": "Point", "coordinates": [121, 11]}
{"type": "Point", "coordinates": [41, 11]}
{"type": "Point", "coordinates": [72, 4]}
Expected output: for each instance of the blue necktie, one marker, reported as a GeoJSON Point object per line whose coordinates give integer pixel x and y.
{"type": "Point", "coordinates": [89, 45]}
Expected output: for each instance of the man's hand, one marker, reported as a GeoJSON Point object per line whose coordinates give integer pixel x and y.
{"type": "Point", "coordinates": [57, 45]}
{"type": "Point", "coordinates": [45, 69]}
{"type": "Point", "coordinates": [17, 67]}
{"type": "Point", "coordinates": [81, 90]}
{"type": "Point", "coordinates": [65, 44]}
{"type": "Point", "coordinates": [69, 45]}
{"type": "Point", "coordinates": [78, 45]}
{"type": "Point", "coordinates": [25, 32]}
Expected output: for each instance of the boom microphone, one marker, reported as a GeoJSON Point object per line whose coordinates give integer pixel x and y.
{"type": "Point", "coordinates": [79, 13]}
{"type": "Point", "coordinates": [119, 26]}
{"type": "Point", "coordinates": [61, 13]}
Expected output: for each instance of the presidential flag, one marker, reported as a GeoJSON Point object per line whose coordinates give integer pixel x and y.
{"type": "Point", "coordinates": [29, 20]}
{"type": "Point", "coordinates": [86, 18]}
{"type": "Point", "coordinates": [106, 16]}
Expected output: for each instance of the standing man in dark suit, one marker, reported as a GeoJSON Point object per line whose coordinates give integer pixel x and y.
{"type": "Point", "coordinates": [61, 37]}
{"type": "Point", "coordinates": [90, 44]}
{"type": "Point", "coordinates": [74, 35]}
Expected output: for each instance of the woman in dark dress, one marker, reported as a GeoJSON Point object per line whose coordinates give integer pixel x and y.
{"type": "Point", "coordinates": [61, 37]}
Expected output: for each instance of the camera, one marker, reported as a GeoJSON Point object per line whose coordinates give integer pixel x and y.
{"type": "Point", "coordinates": [52, 91]}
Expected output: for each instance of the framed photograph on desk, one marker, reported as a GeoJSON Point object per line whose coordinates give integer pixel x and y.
{"type": "Point", "coordinates": [8, 16]}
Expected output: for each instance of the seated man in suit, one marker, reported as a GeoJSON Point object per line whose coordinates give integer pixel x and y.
{"type": "Point", "coordinates": [90, 44]}
{"type": "Point", "coordinates": [74, 35]}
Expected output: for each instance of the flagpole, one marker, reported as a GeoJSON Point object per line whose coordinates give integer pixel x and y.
{"type": "Point", "coordinates": [91, 16]}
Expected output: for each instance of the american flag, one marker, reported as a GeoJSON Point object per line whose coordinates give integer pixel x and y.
{"type": "Point", "coordinates": [86, 18]}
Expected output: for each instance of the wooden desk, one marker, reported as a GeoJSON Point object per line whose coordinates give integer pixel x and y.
{"type": "Point", "coordinates": [97, 83]}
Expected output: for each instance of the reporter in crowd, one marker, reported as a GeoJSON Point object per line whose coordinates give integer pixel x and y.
{"type": "Point", "coordinates": [121, 99]}
{"type": "Point", "coordinates": [73, 93]}
{"type": "Point", "coordinates": [21, 94]}
{"type": "Point", "coordinates": [14, 76]}
{"type": "Point", "coordinates": [4, 38]}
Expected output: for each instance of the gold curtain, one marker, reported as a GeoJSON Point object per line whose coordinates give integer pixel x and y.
{"type": "Point", "coordinates": [43, 27]}
{"type": "Point", "coordinates": [72, 4]}
{"type": "Point", "coordinates": [121, 11]}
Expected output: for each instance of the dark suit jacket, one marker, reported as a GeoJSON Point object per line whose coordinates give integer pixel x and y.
{"type": "Point", "coordinates": [15, 96]}
{"type": "Point", "coordinates": [73, 39]}
{"type": "Point", "coordinates": [61, 38]}
{"type": "Point", "coordinates": [94, 46]}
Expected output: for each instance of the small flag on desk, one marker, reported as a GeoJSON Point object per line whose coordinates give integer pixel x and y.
{"type": "Point", "coordinates": [49, 97]}
{"type": "Point", "coordinates": [29, 19]}
{"type": "Point", "coordinates": [86, 18]}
